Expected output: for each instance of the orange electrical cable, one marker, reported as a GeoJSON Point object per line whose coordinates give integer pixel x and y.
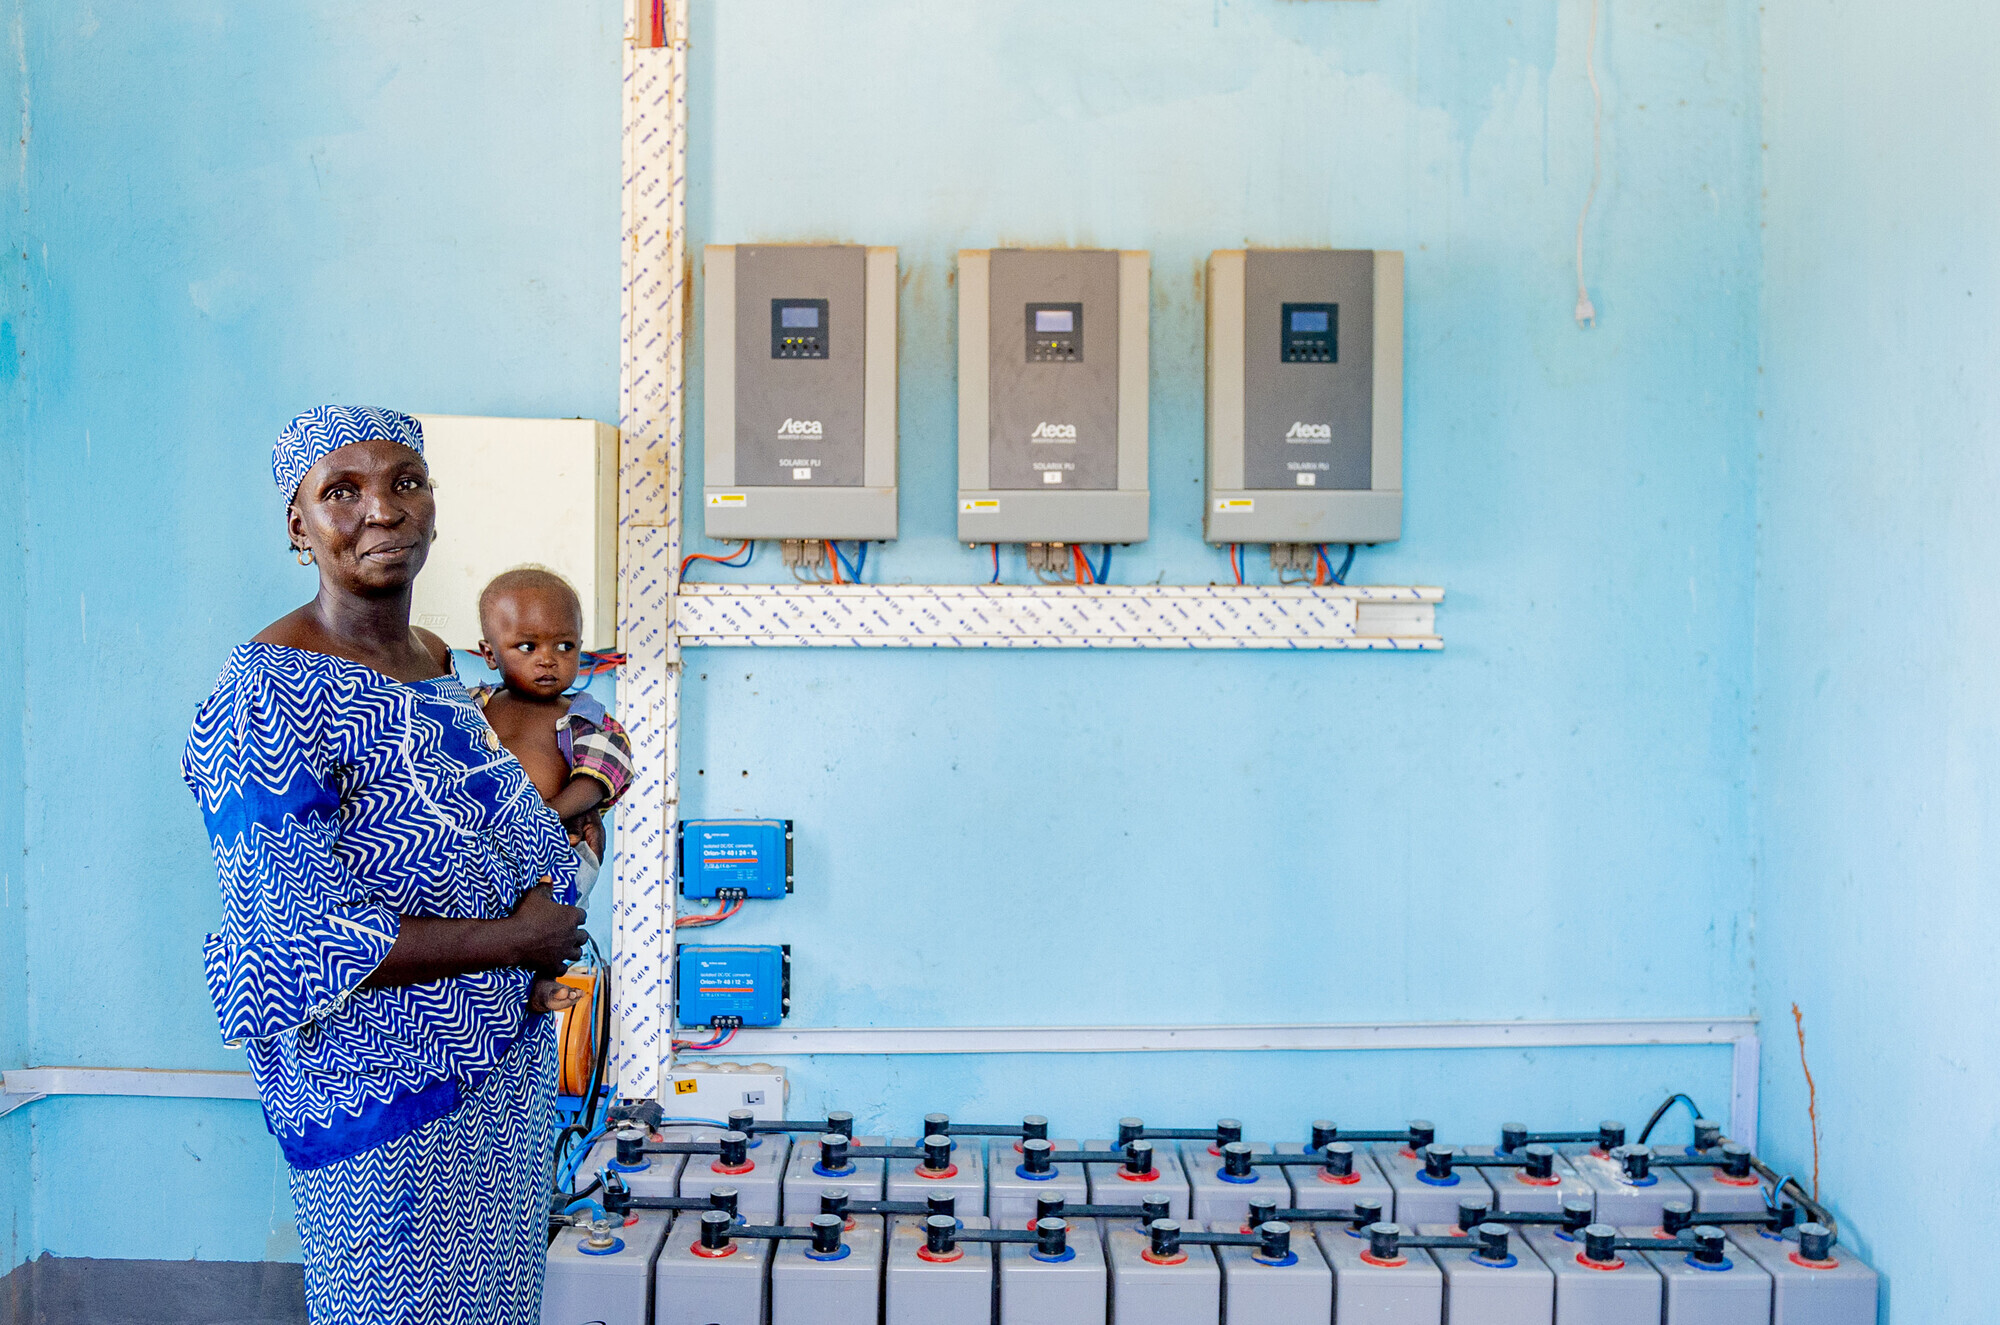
{"type": "Point", "coordinates": [693, 557]}
{"type": "Point", "coordinates": [832, 558]}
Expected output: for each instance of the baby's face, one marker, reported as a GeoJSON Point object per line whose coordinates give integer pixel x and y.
{"type": "Point", "coordinates": [533, 637]}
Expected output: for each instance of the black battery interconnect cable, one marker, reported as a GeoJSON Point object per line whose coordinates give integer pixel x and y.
{"type": "Point", "coordinates": [1779, 1182]}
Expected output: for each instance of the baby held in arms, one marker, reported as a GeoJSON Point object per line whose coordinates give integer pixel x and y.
{"type": "Point", "coordinates": [578, 757]}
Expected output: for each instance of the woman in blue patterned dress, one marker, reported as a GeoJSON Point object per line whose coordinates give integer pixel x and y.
{"type": "Point", "coordinates": [395, 896]}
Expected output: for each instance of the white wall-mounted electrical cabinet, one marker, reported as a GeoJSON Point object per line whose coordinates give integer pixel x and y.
{"type": "Point", "coordinates": [1305, 396]}
{"type": "Point", "coordinates": [799, 391]}
{"type": "Point", "coordinates": [513, 492]}
{"type": "Point", "coordinates": [1052, 362]}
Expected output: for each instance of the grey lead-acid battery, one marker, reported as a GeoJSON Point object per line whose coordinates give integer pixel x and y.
{"type": "Point", "coordinates": [1117, 1184]}
{"type": "Point", "coordinates": [799, 389]}
{"type": "Point", "coordinates": [1515, 1192]}
{"type": "Point", "coordinates": [1315, 1189]}
{"type": "Point", "coordinates": [1517, 1289]}
{"type": "Point", "coordinates": [1305, 396]}
{"type": "Point", "coordinates": [1421, 1199]}
{"type": "Point", "coordinates": [811, 1288]}
{"type": "Point", "coordinates": [1260, 1292]}
{"type": "Point", "coordinates": [1820, 1284]}
{"type": "Point", "coordinates": [691, 1287]}
{"type": "Point", "coordinates": [1734, 1291]}
{"type": "Point", "coordinates": [1625, 1291]}
{"type": "Point", "coordinates": [1182, 1289]}
{"type": "Point", "coordinates": [653, 1175]}
{"type": "Point", "coordinates": [921, 1289]}
{"type": "Point", "coordinates": [1052, 395]}
{"type": "Point", "coordinates": [1214, 1196]}
{"type": "Point", "coordinates": [603, 1276]}
{"type": "Point", "coordinates": [1620, 1199]}
{"type": "Point", "coordinates": [1070, 1289]}
{"type": "Point", "coordinates": [806, 1176]}
{"type": "Point", "coordinates": [757, 1184]}
{"type": "Point", "coordinates": [964, 1177]}
{"type": "Point", "coordinates": [1012, 1191]}
{"type": "Point", "coordinates": [1408, 1290]}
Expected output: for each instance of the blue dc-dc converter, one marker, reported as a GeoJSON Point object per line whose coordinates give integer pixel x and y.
{"type": "Point", "coordinates": [749, 856]}
{"type": "Point", "coordinates": [726, 985]}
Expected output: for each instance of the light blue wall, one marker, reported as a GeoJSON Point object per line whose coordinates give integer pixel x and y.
{"type": "Point", "coordinates": [1878, 643]}
{"type": "Point", "coordinates": [232, 214]}
{"type": "Point", "coordinates": [1279, 837]}
{"type": "Point", "coordinates": [17, 332]}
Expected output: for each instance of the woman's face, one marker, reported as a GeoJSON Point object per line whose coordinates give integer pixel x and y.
{"type": "Point", "coordinates": [367, 513]}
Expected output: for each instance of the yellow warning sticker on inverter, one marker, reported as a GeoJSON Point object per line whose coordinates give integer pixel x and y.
{"type": "Point", "coordinates": [983, 505]}
{"type": "Point", "coordinates": [728, 499]}
{"type": "Point", "coordinates": [1235, 503]}
{"type": "Point", "coordinates": [686, 1085]}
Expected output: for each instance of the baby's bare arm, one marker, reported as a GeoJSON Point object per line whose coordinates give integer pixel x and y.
{"type": "Point", "coordinates": [579, 796]}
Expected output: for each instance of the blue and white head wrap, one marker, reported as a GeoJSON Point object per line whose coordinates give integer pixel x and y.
{"type": "Point", "coordinates": [330, 427]}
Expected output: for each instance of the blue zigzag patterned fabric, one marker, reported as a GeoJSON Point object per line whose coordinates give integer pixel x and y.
{"type": "Point", "coordinates": [337, 801]}
{"type": "Point", "coordinates": [327, 428]}
{"type": "Point", "coordinates": [447, 1225]}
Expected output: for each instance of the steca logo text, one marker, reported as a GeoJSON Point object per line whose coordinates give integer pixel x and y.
{"type": "Point", "coordinates": [1310, 432]}
{"type": "Point", "coordinates": [1053, 432]}
{"type": "Point", "coordinates": [800, 428]}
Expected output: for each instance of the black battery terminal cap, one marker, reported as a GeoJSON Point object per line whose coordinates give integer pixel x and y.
{"type": "Point", "coordinates": [1541, 1161]}
{"type": "Point", "coordinates": [1512, 1137]}
{"type": "Point", "coordinates": [1236, 1160]}
{"type": "Point", "coordinates": [1422, 1132]}
{"type": "Point", "coordinates": [1035, 1155]}
{"type": "Point", "coordinates": [1338, 1161]}
{"type": "Point", "coordinates": [1139, 1157]}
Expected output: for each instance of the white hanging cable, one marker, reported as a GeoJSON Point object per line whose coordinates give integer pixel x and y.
{"type": "Point", "coordinates": [1586, 313]}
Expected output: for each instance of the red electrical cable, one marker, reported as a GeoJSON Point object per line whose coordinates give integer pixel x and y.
{"type": "Point", "coordinates": [715, 918]}
{"type": "Point", "coordinates": [832, 559]}
{"type": "Point", "coordinates": [1235, 568]}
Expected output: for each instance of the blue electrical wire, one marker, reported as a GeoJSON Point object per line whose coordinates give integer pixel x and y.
{"type": "Point", "coordinates": [1101, 573]}
{"type": "Point", "coordinates": [996, 565]}
{"type": "Point", "coordinates": [1340, 576]}
{"type": "Point", "coordinates": [853, 568]}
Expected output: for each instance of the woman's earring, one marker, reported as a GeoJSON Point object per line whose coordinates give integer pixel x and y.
{"type": "Point", "coordinates": [305, 555]}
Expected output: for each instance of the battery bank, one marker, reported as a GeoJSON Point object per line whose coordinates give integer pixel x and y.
{"type": "Point", "coordinates": [653, 1175]}
{"type": "Point", "coordinates": [753, 856]}
{"type": "Point", "coordinates": [732, 984]}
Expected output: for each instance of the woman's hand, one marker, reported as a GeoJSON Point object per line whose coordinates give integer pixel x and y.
{"type": "Point", "coordinates": [546, 935]}
{"type": "Point", "coordinates": [547, 995]}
